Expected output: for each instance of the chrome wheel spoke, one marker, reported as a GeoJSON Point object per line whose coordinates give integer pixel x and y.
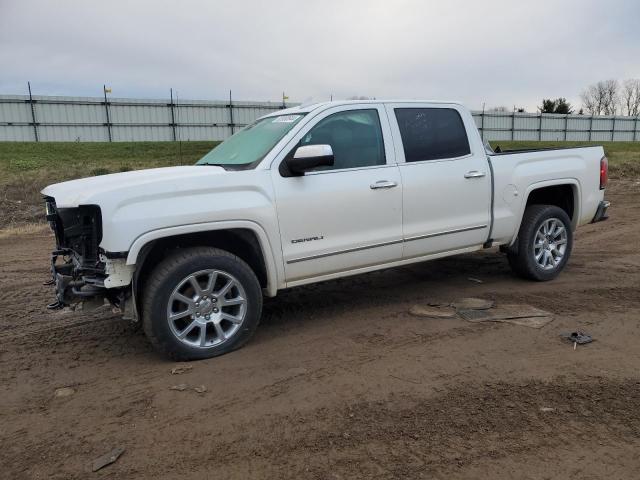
{"type": "Point", "coordinates": [178, 315]}
{"type": "Point", "coordinates": [558, 232]}
{"type": "Point", "coordinates": [202, 338]}
{"type": "Point", "coordinates": [188, 329]}
{"type": "Point", "coordinates": [183, 299]}
{"type": "Point", "coordinates": [231, 318]}
{"type": "Point", "coordinates": [193, 281]}
{"type": "Point", "coordinates": [211, 281]}
{"type": "Point", "coordinates": [229, 302]}
{"type": "Point", "coordinates": [224, 290]}
{"type": "Point", "coordinates": [220, 332]}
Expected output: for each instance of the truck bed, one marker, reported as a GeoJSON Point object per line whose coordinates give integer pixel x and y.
{"type": "Point", "coordinates": [518, 172]}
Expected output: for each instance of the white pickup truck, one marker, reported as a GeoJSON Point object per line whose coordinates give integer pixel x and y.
{"type": "Point", "coordinates": [309, 194]}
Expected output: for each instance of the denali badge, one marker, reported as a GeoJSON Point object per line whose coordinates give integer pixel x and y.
{"type": "Point", "coordinates": [308, 239]}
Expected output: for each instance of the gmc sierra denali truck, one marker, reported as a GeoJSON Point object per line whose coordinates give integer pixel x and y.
{"type": "Point", "coordinates": [309, 194]}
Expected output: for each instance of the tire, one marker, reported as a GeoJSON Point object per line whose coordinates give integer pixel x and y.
{"type": "Point", "coordinates": [527, 259]}
{"type": "Point", "coordinates": [186, 312]}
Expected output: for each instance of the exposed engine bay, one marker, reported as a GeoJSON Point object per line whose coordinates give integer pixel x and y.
{"type": "Point", "coordinates": [80, 270]}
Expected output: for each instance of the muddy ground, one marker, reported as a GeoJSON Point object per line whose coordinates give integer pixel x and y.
{"type": "Point", "coordinates": [340, 380]}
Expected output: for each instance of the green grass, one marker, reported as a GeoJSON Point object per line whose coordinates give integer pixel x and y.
{"type": "Point", "coordinates": [25, 168]}
{"type": "Point", "coordinates": [81, 159]}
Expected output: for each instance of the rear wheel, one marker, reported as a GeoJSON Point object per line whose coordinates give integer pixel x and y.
{"type": "Point", "coordinates": [544, 243]}
{"type": "Point", "coordinates": [201, 302]}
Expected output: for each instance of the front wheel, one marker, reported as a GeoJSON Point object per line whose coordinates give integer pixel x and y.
{"type": "Point", "coordinates": [201, 302]}
{"type": "Point", "coordinates": [544, 243]}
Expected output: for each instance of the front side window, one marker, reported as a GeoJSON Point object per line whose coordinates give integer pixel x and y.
{"type": "Point", "coordinates": [432, 133]}
{"type": "Point", "coordinates": [354, 135]}
{"type": "Point", "coordinates": [250, 145]}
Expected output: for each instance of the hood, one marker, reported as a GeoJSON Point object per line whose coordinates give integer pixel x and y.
{"type": "Point", "coordinates": [87, 191]}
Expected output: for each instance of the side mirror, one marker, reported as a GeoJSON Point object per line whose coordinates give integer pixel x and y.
{"type": "Point", "coordinates": [309, 157]}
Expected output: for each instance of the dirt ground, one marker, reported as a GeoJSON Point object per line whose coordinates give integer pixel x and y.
{"type": "Point", "coordinates": [340, 380]}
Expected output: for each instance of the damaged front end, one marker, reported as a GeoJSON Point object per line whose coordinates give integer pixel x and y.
{"type": "Point", "coordinates": [80, 270]}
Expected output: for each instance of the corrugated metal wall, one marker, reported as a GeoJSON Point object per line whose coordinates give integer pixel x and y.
{"type": "Point", "coordinates": [84, 119]}
{"type": "Point", "coordinates": [552, 127]}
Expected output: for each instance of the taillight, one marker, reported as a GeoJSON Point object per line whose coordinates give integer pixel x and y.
{"type": "Point", "coordinates": [604, 172]}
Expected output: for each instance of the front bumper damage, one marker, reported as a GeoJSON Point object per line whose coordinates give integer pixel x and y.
{"type": "Point", "coordinates": [80, 270]}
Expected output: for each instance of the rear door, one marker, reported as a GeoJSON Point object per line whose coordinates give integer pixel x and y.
{"type": "Point", "coordinates": [349, 216]}
{"type": "Point", "coordinates": [446, 184]}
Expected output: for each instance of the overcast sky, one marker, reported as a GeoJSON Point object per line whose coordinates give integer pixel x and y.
{"type": "Point", "coordinates": [499, 52]}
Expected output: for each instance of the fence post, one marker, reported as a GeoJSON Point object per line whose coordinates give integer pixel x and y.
{"type": "Point", "coordinates": [482, 124]}
{"type": "Point", "coordinates": [566, 125]}
{"type": "Point", "coordinates": [106, 109]}
{"type": "Point", "coordinates": [231, 124]}
{"type": "Point", "coordinates": [33, 113]}
{"type": "Point", "coordinates": [540, 129]}
{"type": "Point", "coordinates": [591, 128]}
{"type": "Point", "coordinates": [513, 125]}
{"type": "Point", "coordinates": [613, 129]}
{"type": "Point", "coordinates": [173, 115]}
{"type": "Point", "coordinates": [635, 128]}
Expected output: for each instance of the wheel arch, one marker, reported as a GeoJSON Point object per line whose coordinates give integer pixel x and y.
{"type": "Point", "coordinates": [563, 193]}
{"type": "Point", "coordinates": [246, 240]}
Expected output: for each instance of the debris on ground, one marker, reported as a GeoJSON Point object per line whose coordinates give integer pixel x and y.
{"type": "Point", "coordinates": [483, 310]}
{"type": "Point", "coordinates": [524, 315]}
{"type": "Point", "coordinates": [577, 338]}
{"type": "Point", "coordinates": [64, 392]}
{"type": "Point", "coordinates": [200, 389]}
{"type": "Point", "coordinates": [471, 303]}
{"type": "Point", "coordinates": [547, 409]}
{"type": "Point", "coordinates": [107, 459]}
{"type": "Point", "coordinates": [179, 388]}
{"type": "Point", "coordinates": [476, 280]}
{"type": "Point", "coordinates": [432, 311]}
{"type": "Point", "coordinates": [181, 369]}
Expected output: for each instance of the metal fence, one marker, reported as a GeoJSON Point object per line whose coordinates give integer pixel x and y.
{"type": "Point", "coordinates": [554, 127]}
{"type": "Point", "coordinates": [44, 118]}
{"type": "Point", "coordinates": [84, 119]}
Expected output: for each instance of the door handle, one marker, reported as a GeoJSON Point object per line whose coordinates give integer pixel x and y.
{"type": "Point", "coordinates": [383, 184]}
{"type": "Point", "coordinates": [474, 174]}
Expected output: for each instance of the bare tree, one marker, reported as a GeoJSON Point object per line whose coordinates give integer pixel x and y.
{"type": "Point", "coordinates": [601, 98]}
{"type": "Point", "coordinates": [592, 99]}
{"type": "Point", "coordinates": [611, 97]}
{"type": "Point", "coordinates": [631, 97]}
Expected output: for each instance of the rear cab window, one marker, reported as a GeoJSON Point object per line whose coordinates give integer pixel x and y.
{"type": "Point", "coordinates": [432, 134]}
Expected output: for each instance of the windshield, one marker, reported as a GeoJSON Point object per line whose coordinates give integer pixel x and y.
{"type": "Point", "coordinates": [252, 143]}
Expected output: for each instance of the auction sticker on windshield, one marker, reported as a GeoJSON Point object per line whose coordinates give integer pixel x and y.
{"type": "Point", "coordinates": [286, 118]}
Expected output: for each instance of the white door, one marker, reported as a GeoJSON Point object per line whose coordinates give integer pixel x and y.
{"type": "Point", "coordinates": [446, 184]}
{"type": "Point", "coordinates": [344, 217]}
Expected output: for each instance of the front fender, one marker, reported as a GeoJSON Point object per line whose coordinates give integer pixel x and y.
{"type": "Point", "coordinates": [275, 272]}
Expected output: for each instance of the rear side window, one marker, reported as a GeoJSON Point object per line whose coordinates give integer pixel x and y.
{"type": "Point", "coordinates": [432, 133]}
